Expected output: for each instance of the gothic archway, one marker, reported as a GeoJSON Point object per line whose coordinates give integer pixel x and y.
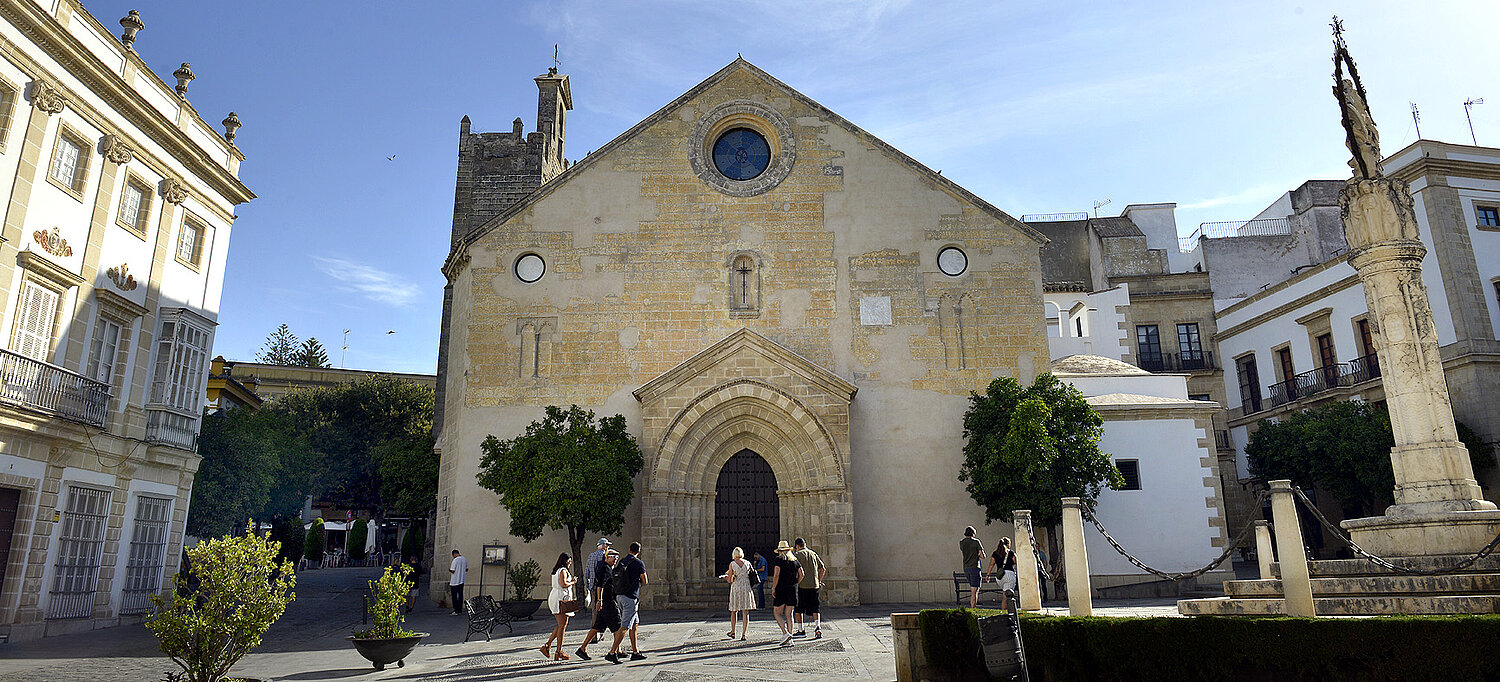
{"type": "Point", "coordinates": [747, 513]}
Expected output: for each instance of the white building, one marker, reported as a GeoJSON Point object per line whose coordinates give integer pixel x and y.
{"type": "Point", "coordinates": [1302, 338]}
{"type": "Point", "coordinates": [112, 250]}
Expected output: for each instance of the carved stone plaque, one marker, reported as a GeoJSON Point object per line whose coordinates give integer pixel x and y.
{"type": "Point", "coordinates": [875, 311]}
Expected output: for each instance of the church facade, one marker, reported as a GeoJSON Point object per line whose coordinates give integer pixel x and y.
{"type": "Point", "coordinates": [789, 312]}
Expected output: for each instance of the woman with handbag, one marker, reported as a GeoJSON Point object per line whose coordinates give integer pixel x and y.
{"type": "Point", "coordinates": [741, 577]}
{"type": "Point", "coordinates": [562, 604]}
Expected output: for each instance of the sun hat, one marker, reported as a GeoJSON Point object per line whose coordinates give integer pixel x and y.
{"type": "Point", "coordinates": [783, 547]}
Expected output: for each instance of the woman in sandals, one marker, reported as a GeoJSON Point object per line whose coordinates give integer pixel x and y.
{"type": "Point", "coordinates": [562, 590]}
{"type": "Point", "coordinates": [741, 593]}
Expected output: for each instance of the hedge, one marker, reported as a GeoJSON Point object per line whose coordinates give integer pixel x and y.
{"type": "Point", "coordinates": [1447, 648]}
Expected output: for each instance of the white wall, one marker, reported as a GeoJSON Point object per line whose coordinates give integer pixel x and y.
{"type": "Point", "coordinates": [1103, 328]}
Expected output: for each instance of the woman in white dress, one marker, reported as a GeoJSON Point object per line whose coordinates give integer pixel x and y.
{"type": "Point", "coordinates": [562, 590]}
{"type": "Point", "coordinates": [741, 593]}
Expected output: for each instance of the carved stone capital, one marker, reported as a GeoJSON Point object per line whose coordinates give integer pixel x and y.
{"type": "Point", "coordinates": [47, 97]}
{"type": "Point", "coordinates": [116, 151]}
{"type": "Point", "coordinates": [1376, 211]}
{"type": "Point", "coordinates": [173, 191]}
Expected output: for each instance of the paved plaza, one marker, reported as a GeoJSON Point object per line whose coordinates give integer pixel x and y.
{"type": "Point", "coordinates": [308, 644]}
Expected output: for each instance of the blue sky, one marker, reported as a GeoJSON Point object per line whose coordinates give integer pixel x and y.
{"type": "Point", "coordinates": [1038, 107]}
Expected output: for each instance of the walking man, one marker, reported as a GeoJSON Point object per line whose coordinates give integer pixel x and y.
{"type": "Point", "coordinates": [628, 579]}
{"type": "Point", "coordinates": [973, 552]}
{"type": "Point", "coordinates": [785, 574]}
{"type": "Point", "coordinates": [813, 573]}
{"type": "Point", "coordinates": [606, 611]}
{"type": "Point", "coordinates": [591, 579]}
{"type": "Point", "coordinates": [456, 570]}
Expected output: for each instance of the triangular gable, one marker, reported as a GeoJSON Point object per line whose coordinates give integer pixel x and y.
{"type": "Point", "coordinates": [739, 63]}
{"type": "Point", "coordinates": [739, 340]}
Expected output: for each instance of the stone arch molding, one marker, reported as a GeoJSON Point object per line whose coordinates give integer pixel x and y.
{"type": "Point", "coordinates": [747, 413]}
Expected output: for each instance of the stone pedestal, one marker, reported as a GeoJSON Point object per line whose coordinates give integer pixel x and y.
{"type": "Point", "coordinates": [1439, 508]}
{"type": "Point", "coordinates": [1076, 559]}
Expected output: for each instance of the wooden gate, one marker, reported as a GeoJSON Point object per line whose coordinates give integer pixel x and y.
{"type": "Point", "coordinates": [747, 513]}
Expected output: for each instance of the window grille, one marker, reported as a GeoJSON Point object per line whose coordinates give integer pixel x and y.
{"type": "Point", "coordinates": [148, 553]}
{"type": "Point", "coordinates": [79, 553]}
{"type": "Point", "coordinates": [1130, 470]}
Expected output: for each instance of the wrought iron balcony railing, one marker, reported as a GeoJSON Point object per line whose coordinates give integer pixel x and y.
{"type": "Point", "coordinates": [49, 388]}
{"type": "Point", "coordinates": [171, 428]}
{"type": "Point", "coordinates": [1177, 362]}
{"type": "Point", "coordinates": [1316, 381]}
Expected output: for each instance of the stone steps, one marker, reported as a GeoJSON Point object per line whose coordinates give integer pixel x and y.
{"type": "Point", "coordinates": [1347, 606]}
{"type": "Point", "coordinates": [1375, 585]}
{"type": "Point", "coordinates": [1330, 568]}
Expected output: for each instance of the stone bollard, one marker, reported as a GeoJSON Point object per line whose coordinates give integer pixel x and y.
{"type": "Point", "coordinates": [1076, 559]}
{"type": "Point", "coordinates": [1263, 552]}
{"type": "Point", "coordinates": [906, 639]}
{"type": "Point", "coordinates": [1296, 585]}
{"type": "Point", "coordinates": [1027, 580]}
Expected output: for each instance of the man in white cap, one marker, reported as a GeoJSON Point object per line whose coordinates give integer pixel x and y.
{"type": "Point", "coordinates": [589, 568]}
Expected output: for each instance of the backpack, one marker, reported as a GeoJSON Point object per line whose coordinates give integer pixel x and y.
{"type": "Point", "coordinates": [620, 579]}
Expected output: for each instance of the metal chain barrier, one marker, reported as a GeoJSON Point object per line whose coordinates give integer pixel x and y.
{"type": "Point", "coordinates": [1383, 563]}
{"type": "Point", "coordinates": [1166, 575]}
{"type": "Point", "coordinates": [1036, 551]}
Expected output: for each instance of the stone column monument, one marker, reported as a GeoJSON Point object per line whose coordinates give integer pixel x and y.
{"type": "Point", "coordinates": [1439, 509]}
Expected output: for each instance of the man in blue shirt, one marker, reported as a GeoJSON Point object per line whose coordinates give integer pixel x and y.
{"type": "Point", "coordinates": [631, 573]}
{"type": "Point", "coordinates": [760, 589]}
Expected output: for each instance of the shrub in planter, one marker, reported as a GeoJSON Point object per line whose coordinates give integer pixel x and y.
{"type": "Point", "coordinates": [312, 548]}
{"type": "Point", "coordinates": [358, 535]}
{"type": "Point", "coordinates": [239, 591]}
{"type": "Point", "coordinates": [523, 579]}
{"type": "Point", "coordinates": [385, 641]}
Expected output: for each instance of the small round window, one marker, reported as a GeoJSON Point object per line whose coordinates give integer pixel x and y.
{"type": "Point", "coordinates": [530, 268]}
{"type": "Point", "coordinates": [952, 261]}
{"type": "Point", "coordinates": [741, 154]}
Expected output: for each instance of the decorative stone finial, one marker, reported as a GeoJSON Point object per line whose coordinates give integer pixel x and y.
{"type": "Point", "coordinates": [184, 76]}
{"type": "Point", "coordinates": [132, 24]}
{"type": "Point", "coordinates": [231, 123]}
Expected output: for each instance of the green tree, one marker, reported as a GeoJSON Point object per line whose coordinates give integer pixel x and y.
{"type": "Point", "coordinates": [312, 548]}
{"type": "Point", "coordinates": [281, 348]}
{"type": "Point", "coordinates": [408, 470]}
{"type": "Point", "coordinates": [252, 467]}
{"type": "Point", "coordinates": [411, 543]}
{"type": "Point", "coordinates": [358, 535]}
{"type": "Point", "coordinates": [312, 354]}
{"type": "Point", "coordinates": [241, 590]}
{"type": "Point", "coordinates": [1028, 447]}
{"type": "Point", "coordinates": [287, 531]}
{"type": "Point", "coordinates": [566, 472]}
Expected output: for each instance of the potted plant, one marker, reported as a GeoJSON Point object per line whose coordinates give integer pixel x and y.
{"type": "Point", "coordinates": [523, 579]}
{"type": "Point", "coordinates": [385, 641]}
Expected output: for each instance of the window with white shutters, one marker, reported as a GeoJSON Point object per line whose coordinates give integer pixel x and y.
{"type": "Point", "coordinates": [80, 550]}
{"type": "Point", "coordinates": [36, 316]}
{"type": "Point", "coordinates": [148, 553]}
{"type": "Point", "coordinates": [102, 351]}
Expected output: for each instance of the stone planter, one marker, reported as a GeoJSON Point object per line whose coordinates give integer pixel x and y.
{"type": "Point", "coordinates": [387, 650]}
{"type": "Point", "coordinates": [523, 608]}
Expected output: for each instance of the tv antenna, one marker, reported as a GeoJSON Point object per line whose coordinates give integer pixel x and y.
{"type": "Point", "coordinates": [1416, 119]}
{"type": "Point", "coordinates": [1097, 204]}
{"type": "Point", "coordinates": [1468, 105]}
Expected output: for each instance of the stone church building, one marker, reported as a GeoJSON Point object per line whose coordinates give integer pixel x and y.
{"type": "Point", "coordinates": [789, 312]}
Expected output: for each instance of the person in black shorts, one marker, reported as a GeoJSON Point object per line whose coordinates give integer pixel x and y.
{"type": "Point", "coordinates": [606, 611]}
{"type": "Point", "coordinates": [785, 574]}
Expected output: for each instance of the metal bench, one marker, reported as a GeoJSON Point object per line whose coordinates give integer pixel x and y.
{"type": "Point", "coordinates": [484, 615]}
{"type": "Point", "coordinates": [986, 587]}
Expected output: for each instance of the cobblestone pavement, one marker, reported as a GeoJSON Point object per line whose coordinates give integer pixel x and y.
{"type": "Point", "coordinates": [689, 646]}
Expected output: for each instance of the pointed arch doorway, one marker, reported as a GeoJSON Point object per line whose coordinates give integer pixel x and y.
{"type": "Point", "coordinates": [747, 511]}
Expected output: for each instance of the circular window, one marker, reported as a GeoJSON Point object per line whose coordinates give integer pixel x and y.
{"type": "Point", "coordinates": [741, 154]}
{"type": "Point", "coordinates": [952, 261]}
{"type": "Point", "coordinates": [530, 267]}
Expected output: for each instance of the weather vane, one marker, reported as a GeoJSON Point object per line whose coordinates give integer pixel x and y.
{"type": "Point", "coordinates": [555, 64]}
{"type": "Point", "coordinates": [1361, 136]}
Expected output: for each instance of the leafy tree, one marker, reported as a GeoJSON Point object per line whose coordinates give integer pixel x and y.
{"type": "Point", "coordinates": [281, 348]}
{"type": "Point", "coordinates": [288, 532]}
{"type": "Point", "coordinates": [1029, 447]}
{"type": "Point", "coordinates": [358, 535]}
{"type": "Point", "coordinates": [411, 544]}
{"type": "Point", "coordinates": [1342, 448]}
{"type": "Point", "coordinates": [252, 467]}
{"type": "Point", "coordinates": [241, 590]}
{"type": "Point", "coordinates": [312, 354]}
{"type": "Point", "coordinates": [408, 470]}
{"type": "Point", "coordinates": [312, 548]}
{"type": "Point", "coordinates": [566, 472]}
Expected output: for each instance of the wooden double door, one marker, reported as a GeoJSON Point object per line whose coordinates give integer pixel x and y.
{"type": "Point", "coordinates": [747, 511]}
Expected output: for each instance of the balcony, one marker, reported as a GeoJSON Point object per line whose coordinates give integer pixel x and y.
{"type": "Point", "coordinates": [171, 428]}
{"type": "Point", "coordinates": [1177, 362]}
{"type": "Point", "coordinates": [1313, 382]}
{"type": "Point", "coordinates": [52, 389]}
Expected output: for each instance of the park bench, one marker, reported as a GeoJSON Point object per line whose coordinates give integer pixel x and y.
{"type": "Point", "coordinates": [986, 587]}
{"type": "Point", "coordinates": [484, 615]}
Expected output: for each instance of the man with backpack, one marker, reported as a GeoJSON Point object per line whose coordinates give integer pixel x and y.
{"type": "Point", "coordinates": [627, 578]}
{"type": "Point", "coordinates": [606, 611]}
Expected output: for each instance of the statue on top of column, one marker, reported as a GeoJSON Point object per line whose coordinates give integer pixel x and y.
{"type": "Point", "coordinates": [1361, 136]}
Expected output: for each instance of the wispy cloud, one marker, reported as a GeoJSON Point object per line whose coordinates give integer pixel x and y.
{"type": "Point", "coordinates": [1256, 194]}
{"type": "Point", "coordinates": [373, 283]}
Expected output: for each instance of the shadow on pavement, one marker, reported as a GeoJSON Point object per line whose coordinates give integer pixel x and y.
{"type": "Point", "coordinates": [328, 674]}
